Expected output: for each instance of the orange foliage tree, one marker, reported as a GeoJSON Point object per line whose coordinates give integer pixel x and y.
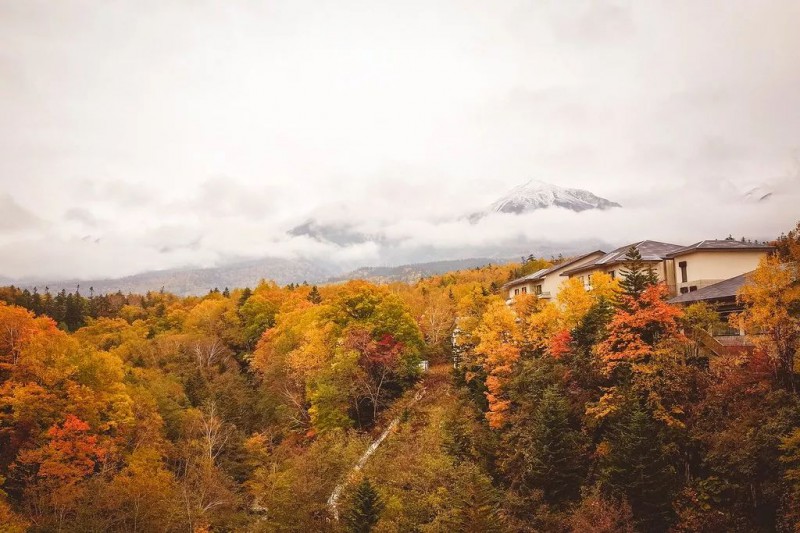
{"type": "Point", "coordinates": [498, 346]}
{"type": "Point", "coordinates": [56, 471]}
{"type": "Point", "coordinates": [638, 326]}
{"type": "Point", "coordinates": [70, 455]}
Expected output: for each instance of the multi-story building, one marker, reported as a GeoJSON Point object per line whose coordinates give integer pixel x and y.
{"type": "Point", "coordinates": [706, 263]}
{"type": "Point", "coordinates": [684, 269]}
{"type": "Point", "coordinates": [653, 254]}
{"type": "Point", "coordinates": [544, 283]}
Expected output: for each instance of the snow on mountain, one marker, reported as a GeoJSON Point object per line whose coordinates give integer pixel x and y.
{"type": "Point", "coordinates": [536, 194]}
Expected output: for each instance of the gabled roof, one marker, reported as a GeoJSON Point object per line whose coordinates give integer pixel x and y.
{"type": "Point", "coordinates": [722, 290]}
{"type": "Point", "coordinates": [540, 274]}
{"type": "Point", "coordinates": [649, 250]}
{"type": "Point", "coordinates": [721, 245]}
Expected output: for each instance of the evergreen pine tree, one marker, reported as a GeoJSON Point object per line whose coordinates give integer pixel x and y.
{"type": "Point", "coordinates": [555, 449]}
{"type": "Point", "coordinates": [477, 508]}
{"type": "Point", "coordinates": [592, 327]}
{"type": "Point", "coordinates": [246, 293]}
{"type": "Point", "coordinates": [365, 509]}
{"type": "Point", "coordinates": [73, 311]}
{"type": "Point", "coordinates": [60, 308]}
{"type": "Point", "coordinates": [638, 468]}
{"type": "Point", "coordinates": [37, 303]}
{"type": "Point", "coordinates": [314, 296]}
{"type": "Point", "coordinates": [636, 276]}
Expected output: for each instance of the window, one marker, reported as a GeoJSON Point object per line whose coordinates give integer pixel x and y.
{"type": "Point", "coordinates": [692, 288]}
{"type": "Point", "coordinates": [524, 290]}
{"type": "Point", "coordinates": [684, 290]}
{"type": "Point", "coordinates": [613, 274]}
{"type": "Point", "coordinates": [684, 276]}
{"type": "Point", "coordinates": [537, 289]}
{"type": "Point", "coordinates": [516, 291]}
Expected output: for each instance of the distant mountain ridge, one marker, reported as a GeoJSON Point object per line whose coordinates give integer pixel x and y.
{"type": "Point", "coordinates": [530, 196]}
{"type": "Point", "coordinates": [414, 272]}
{"type": "Point", "coordinates": [415, 261]}
{"type": "Point", "coordinates": [537, 194]}
{"type": "Point", "coordinates": [198, 281]}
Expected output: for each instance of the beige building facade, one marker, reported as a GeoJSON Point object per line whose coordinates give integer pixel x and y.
{"type": "Point", "coordinates": [545, 283]}
{"type": "Point", "coordinates": [683, 268]}
{"type": "Point", "coordinates": [708, 262]}
{"type": "Point", "coordinates": [613, 263]}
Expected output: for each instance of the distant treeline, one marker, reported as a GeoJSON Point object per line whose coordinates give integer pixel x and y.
{"type": "Point", "coordinates": [70, 310]}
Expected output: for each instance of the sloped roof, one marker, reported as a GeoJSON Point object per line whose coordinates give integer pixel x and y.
{"type": "Point", "coordinates": [540, 274]}
{"type": "Point", "coordinates": [649, 250]}
{"type": "Point", "coordinates": [721, 245]}
{"type": "Point", "coordinates": [718, 291]}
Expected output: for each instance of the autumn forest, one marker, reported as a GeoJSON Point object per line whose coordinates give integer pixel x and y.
{"type": "Point", "coordinates": [251, 409]}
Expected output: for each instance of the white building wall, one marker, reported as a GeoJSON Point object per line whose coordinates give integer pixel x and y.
{"type": "Point", "coordinates": [705, 267]}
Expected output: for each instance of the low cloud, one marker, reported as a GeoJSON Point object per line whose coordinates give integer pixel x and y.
{"type": "Point", "coordinates": [227, 197]}
{"type": "Point", "coordinates": [82, 216]}
{"type": "Point", "coordinates": [15, 218]}
{"type": "Point", "coordinates": [386, 128]}
{"type": "Point", "coordinates": [368, 230]}
{"type": "Point", "coordinates": [116, 192]}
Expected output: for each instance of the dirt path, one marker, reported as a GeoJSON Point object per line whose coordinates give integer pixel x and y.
{"type": "Point", "coordinates": [333, 500]}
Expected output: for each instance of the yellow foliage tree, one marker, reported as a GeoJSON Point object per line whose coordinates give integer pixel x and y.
{"type": "Point", "coordinates": [772, 302]}
{"type": "Point", "coordinates": [575, 301]}
{"type": "Point", "coordinates": [498, 346]}
{"type": "Point", "coordinates": [567, 311]}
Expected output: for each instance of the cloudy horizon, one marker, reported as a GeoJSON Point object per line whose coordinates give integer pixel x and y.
{"type": "Point", "coordinates": [195, 134]}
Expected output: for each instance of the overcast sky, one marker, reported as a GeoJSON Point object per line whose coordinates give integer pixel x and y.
{"type": "Point", "coordinates": [142, 135]}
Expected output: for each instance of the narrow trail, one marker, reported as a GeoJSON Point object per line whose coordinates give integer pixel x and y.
{"type": "Point", "coordinates": [333, 500]}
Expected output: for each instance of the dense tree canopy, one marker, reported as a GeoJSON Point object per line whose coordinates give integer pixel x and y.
{"type": "Point", "coordinates": [242, 410]}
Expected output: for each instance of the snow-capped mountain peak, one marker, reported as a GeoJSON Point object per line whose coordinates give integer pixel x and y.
{"type": "Point", "coordinates": [537, 194]}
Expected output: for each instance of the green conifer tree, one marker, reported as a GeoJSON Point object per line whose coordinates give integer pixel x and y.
{"type": "Point", "coordinates": [365, 509]}
{"type": "Point", "coordinates": [638, 467]}
{"type": "Point", "coordinates": [246, 293]}
{"type": "Point", "coordinates": [476, 510]}
{"type": "Point", "coordinates": [636, 276]}
{"type": "Point", "coordinates": [314, 296]}
{"type": "Point", "coordinates": [556, 462]}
